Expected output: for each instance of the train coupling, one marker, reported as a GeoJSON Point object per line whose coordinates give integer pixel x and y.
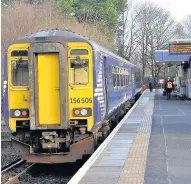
{"type": "Point", "coordinates": [51, 140]}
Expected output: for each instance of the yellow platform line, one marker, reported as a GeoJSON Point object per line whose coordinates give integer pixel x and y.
{"type": "Point", "coordinates": [134, 168]}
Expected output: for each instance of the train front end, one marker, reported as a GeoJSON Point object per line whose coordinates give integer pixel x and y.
{"type": "Point", "coordinates": [48, 100]}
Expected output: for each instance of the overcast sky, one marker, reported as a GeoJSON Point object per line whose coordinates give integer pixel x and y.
{"type": "Point", "coordinates": [178, 8]}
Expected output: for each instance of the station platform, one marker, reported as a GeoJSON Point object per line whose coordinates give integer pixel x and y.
{"type": "Point", "coordinates": [133, 154]}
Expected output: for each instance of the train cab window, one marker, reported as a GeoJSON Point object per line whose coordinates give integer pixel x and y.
{"type": "Point", "coordinates": [79, 73]}
{"type": "Point", "coordinates": [79, 52]}
{"type": "Point", "coordinates": [17, 53]}
{"type": "Point", "coordinates": [20, 73]}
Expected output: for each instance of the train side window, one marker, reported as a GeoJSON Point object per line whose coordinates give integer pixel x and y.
{"type": "Point", "coordinates": [127, 80]}
{"type": "Point", "coordinates": [124, 80]}
{"type": "Point", "coordinates": [79, 71]}
{"type": "Point", "coordinates": [114, 80]}
{"type": "Point", "coordinates": [118, 77]}
{"type": "Point", "coordinates": [118, 82]}
{"type": "Point", "coordinates": [130, 77]}
{"type": "Point", "coordinates": [114, 75]}
{"type": "Point", "coordinates": [110, 77]}
{"type": "Point", "coordinates": [20, 73]}
{"type": "Point", "coordinates": [126, 77]}
{"type": "Point", "coordinates": [121, 80]}
{"type": "Point", "coordinates": [79, 52]}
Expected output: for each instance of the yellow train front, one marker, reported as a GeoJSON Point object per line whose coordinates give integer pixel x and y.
{"type": "Point", "coordinates": [49, 97]}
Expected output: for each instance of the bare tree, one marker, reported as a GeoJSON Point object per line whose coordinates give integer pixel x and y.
{"type": "Point", "coordinates": [187, 26]}
{"type": "Point", "coordinates": [154, 28]}
{"type": "Point", "coordinates": [180, 31]}
{"type": "Point", "coordinates": [161, 29]}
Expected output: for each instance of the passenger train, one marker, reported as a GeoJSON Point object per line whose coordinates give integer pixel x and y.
{"type": "Point", "coordinates": [63, 93]}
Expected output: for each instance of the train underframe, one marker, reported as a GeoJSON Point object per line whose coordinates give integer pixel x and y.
{"type": "Point", "coordinates": [61, 146]}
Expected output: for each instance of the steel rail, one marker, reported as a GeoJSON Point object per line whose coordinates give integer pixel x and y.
{"type": "Point", "coordinates": [11, 165]}
{"type": "Point", "coordinates": [15, 179]}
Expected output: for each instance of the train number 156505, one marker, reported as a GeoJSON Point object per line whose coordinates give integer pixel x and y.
{"type": "Point", "coordinates": [80, 100]}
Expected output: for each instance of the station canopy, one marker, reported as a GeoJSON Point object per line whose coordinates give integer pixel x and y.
{"type": "Point", "coordinates": [179, 51]}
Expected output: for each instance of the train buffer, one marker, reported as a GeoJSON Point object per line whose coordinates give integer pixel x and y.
{"type": "Point", "coordinates": [151, 145]}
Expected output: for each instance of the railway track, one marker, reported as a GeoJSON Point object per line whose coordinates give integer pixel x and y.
{"type": "Point", "coordinates": [10, 173]}
{"type": "Point", "coordinates": [11, 165]}
{"type": "Point", "coordinates": [21, 172]}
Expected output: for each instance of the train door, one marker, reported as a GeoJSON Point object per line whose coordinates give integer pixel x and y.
{"type": "Point", "coordinates": [48, 86]}
{"type": "Point", "coordinates": [48, 99]}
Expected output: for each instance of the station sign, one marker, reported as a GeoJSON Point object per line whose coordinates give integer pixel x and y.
{"type": "Point", "coordinates": [179, 48]}
{"type": "Point", "coordinates": [161, 81]}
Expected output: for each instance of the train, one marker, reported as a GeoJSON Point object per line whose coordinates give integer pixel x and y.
{"type": "Point", "coordinates": [63, 94]}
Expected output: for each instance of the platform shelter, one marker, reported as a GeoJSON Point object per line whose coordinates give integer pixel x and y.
{"type": "Point", "coordinates": [178, 60]}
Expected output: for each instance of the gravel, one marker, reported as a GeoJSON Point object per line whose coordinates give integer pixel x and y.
{"type": "Point", "coordinates": [7, 154]}
{"type": "Point", "coordinates": [48, 179]}
{"type": "Point", "coordinates": [50, 173]}
{"type": "Point", "coordinates": [7, 157]}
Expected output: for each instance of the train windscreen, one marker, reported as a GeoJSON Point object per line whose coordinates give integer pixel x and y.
{"type": "Point", "coordinates": [20, 73]}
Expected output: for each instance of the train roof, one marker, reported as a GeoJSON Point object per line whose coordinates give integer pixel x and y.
{"type": "Point", "coordinates": [66, 36]}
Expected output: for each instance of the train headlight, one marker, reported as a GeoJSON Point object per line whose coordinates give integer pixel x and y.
{"type": "Point", "coordinates": [17, 113]}
{"type": "Point", "coordinates": [84, 112]}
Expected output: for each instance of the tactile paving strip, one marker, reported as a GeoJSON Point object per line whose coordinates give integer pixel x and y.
{"type": "Point", "coordinates": [134, 168]}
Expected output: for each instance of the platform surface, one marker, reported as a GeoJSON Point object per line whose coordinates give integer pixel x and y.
{"type": "Point", "coordinates": [152, 145]}
{"type": "Point", "coordinates": [169, 155]}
